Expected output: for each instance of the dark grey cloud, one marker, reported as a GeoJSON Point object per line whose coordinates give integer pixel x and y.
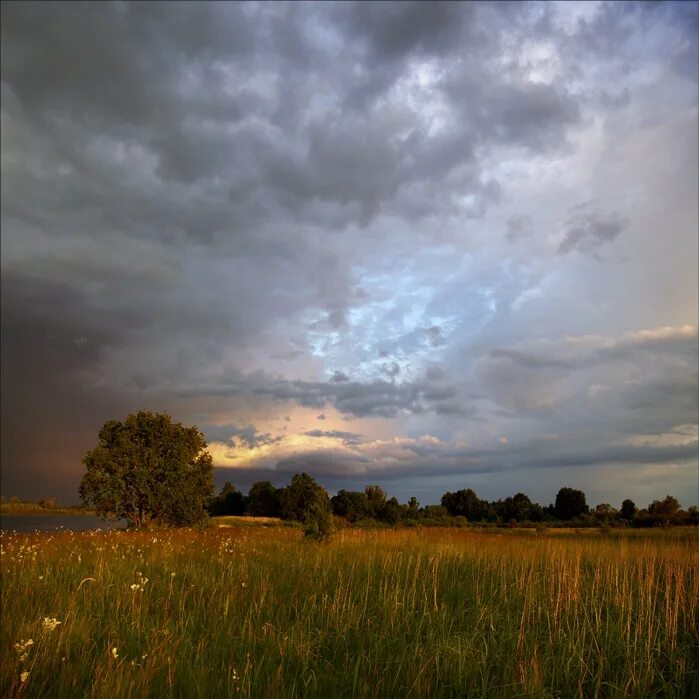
{"type": "Point", "coordinates": [456, 409]}
{"type": "Point", "coordinates": [375, 399]}
{"type": "Point", "coordinates": [585, 231]}
{"type": "Point", "coordinates": [325, 464]}
{"type": "Point", "coordinates": [434, 336]}
{"type": "Point", "coordinates": [392, 30]}
{"type": "Point", "coordinates": [245, 436]}
{"type": "Point", "coordinates": [228, 210]}
{"type": "Point", "coordinates": [206, 103]}
{"type": "Point", "coordinates": [436, 460]}
{"type": "Point", "coordinates": [518, 227]}
{"type": "Point", "coordinates": [656, 371]}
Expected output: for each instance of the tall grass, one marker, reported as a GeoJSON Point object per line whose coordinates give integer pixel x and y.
{"type": "Point", "coordinates": [412, 613]}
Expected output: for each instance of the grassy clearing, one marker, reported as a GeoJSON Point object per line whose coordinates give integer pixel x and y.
{"type": "Point", "coordinates": [34, 508]}
{"type": "Point", "coordinates": [413, 613]}
{"type": "Point", "coordinates": [245, 521]}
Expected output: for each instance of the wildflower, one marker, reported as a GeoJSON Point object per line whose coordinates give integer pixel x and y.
{"type": "Point", "coordinates": [49, 624]}
{"type": "Point", "coordinates": [24, 676]}
{"type": "Point", "coordinates": [115, 655]}
{"type": "Point", "coordinates": [23, 648]}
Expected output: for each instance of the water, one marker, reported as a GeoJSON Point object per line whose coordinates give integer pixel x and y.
{"type": "Point", "coordinates": [45, 523]}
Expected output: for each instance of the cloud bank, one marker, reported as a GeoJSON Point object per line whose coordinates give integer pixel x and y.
{"type": "Point", "coordinates": [463, 234]}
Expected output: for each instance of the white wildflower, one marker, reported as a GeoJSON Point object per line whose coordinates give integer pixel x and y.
{"type": "Point", "coordinates": [23, 649]}
{"type": "Point", "coordinates": [49, 624]}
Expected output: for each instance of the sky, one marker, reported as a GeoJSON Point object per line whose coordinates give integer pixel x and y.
{"type": "Point", "coordinates": [427, 246]}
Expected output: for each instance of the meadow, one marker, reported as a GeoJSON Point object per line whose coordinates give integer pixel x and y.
{"type": "Point", "coordinates": [261, 612]}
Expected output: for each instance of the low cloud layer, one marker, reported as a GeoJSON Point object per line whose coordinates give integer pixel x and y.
{"type": "Point", "coordinates": [463, 234]}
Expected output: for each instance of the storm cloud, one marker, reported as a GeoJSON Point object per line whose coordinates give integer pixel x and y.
{"type": "Point", "coordinates": [463, 234]}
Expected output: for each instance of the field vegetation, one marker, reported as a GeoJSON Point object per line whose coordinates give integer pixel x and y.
{"type": "Point", "coordinates": [264, 612]}
{"type": "Point", "coordinates": [15, 506]}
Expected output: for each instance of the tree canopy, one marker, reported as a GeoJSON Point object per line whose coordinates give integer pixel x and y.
{"type": "Point", "coordinates": [264, 500]}
{"type": "Point", "coordinates": [230, 501]}
{"type": "Point", "coordinates": [306, 501]}
{"type": "Point", "coordinates": [570, 503]}
{"type": "Point", "coordinates": [350, 504]}
{"type": "Point", "coordinates": [628, 509]}
{"type": "Point", "coordinates": [464, 503]}
{"type": "Point", "coordinates": [148, 468]}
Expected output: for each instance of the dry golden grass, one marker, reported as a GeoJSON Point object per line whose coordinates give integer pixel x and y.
{"type": "Point", "coordinates": [258, 611]}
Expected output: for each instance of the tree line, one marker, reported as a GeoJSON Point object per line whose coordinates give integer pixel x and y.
{"type": "Point", "coordinates": [306, 501]}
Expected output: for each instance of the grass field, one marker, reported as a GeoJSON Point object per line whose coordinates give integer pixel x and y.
{"type": "Point", "coordinates": [249, 611]}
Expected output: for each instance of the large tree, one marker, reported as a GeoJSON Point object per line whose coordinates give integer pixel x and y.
{"type": "Point", "coordinates": [149, 468]}
{"type": "Point", "coordinates": [570, 503]}
{"type": "Point", "coordinates": [351, 505]}
{"type": "Point", "coordinates": [229, 501]}
{"type": "Point", "coordinates": [306, 501]}
{"type": "Point", "coordinates": [376, 500]}
{"type": "Point", "coordinates": [264, 500]}
{"type": "Point", "coordinates": [464, 503]}
{"type": "Point", "coordinates": [519, 507]}
{"type": "Point", "coordinates": [664, 511]}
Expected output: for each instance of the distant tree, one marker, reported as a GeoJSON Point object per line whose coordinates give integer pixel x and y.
{"type": "Point", "coordinates": [536, 512]}
{"type": "Point", "coordinates": [641, 519]}
{"type": "Point", "coordinates": [465, 503]}
{"type": "Point", "coordinates": [351, 505]}
{"type": "Point", "coordinates": [392, 511]}
{"type": "Point", "coordinates": [570, 503]}
{"type": "Point", "coordinates": [604, 512]}
{"type": "Point", "coordinates": [305, 501]}
{"type": "Point", "coordinates": [264, 500]}
{"type": "Point", "coordinates": [413, 509]}
{"type": "Point", "coordinates": [518, 507]}
{"type": "Point", "coordinates": [664, 511]}
{"type": "Point", "coordinates": [228, 502]}
{"type": "Point", "coordinates": [148, 468]}
{"type": "Point", "coordinates": [693, 515]}
{"type": "Point", "coordinates": [376, 499]}
{"type": "Point", "coordinates": [628, 510]}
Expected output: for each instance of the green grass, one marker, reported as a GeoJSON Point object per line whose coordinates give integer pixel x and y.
{"type": "Point", "coordinates": [404, 613]}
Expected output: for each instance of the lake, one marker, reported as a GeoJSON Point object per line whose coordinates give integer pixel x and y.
{"type": "Point", "coordinates": [41, 522]}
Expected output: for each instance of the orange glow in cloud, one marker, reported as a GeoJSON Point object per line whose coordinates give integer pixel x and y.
{"type": "Point", "coordinates": [289, 437]}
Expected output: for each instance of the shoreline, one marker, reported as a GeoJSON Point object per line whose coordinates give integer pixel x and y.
{"type": "Point", "coordinates": [54, 511]}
